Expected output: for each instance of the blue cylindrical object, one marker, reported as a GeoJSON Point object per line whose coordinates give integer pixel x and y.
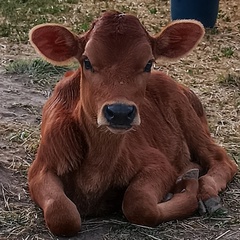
{"type": "Point", "coordinates": [205, 11]}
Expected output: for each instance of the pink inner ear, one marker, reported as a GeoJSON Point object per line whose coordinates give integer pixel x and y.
{"type": "Point", "coordinates": [55, 42]}
{"type": "Point", "coordinates": [178, 39]}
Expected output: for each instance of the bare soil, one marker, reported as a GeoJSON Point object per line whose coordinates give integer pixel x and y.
{"type": "Point", "coordinates": [210, 71]}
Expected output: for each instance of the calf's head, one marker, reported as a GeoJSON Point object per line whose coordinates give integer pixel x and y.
{"type": "Point", "coordinates": [116, 56]}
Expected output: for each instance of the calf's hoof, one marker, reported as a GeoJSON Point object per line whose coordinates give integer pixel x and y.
{"type": "Point", "coordinates": [191, 174]}
{"type": "Point", "coordinates": [211, 206]}
{"type": "Point", "coordinates": [62, 217]}
{"type": "Point", "coordinates": [187, 179]}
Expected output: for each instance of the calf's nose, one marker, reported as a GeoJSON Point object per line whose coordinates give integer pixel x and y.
{"type": "Point", "coordinates": [119, 115]}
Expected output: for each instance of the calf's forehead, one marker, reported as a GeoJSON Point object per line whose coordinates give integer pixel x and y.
{"type": "Point", "coordinates": [116, 37]}
{"type": "Point", "coordinates": [108, 54]}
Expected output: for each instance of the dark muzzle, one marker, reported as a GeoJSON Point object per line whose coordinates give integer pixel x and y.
{"type": "Point", "coordinates": [119, 115]}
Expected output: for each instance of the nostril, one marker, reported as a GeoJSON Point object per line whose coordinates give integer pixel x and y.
{"type": "Point", "coordinates": [131, 112]}
{"type": "Point", "coordinates": [109, 113]}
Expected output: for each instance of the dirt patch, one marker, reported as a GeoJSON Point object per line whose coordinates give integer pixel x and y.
{"type": "Point", "coordinates": [20, 102]}
{"type": "Point", "coordinates": [20, 108]}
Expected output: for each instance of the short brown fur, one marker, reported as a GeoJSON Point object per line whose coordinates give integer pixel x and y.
{"type": "Point", "coordinates": [83, 167]}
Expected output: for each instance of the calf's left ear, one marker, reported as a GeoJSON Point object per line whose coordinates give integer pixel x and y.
{"type": "Point", "coordinates": [177, 39]}
{"type": "Point", "coordinates": [55, 43]}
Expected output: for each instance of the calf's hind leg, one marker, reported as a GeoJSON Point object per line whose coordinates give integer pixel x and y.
{"type": "Point", "coordinates": [60, 213]}
{"type": "Point", "coordinates": [221, 170]}
{"type": "Point", "coordinates": [213, 159]}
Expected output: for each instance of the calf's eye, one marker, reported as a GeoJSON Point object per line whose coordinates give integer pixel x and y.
{"type": "Point", "coordinates": [87, 64]}
{"type": "Point", "coordinates": [148, 66]}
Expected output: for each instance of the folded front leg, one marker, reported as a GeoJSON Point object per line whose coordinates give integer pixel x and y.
{"type": "Point", "coordinates": [144, 203]}
{"type": "Point", "coordinates": [60, 213]}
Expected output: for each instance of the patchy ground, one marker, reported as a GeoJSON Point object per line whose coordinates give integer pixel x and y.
{"type": "Point", "coordinates": [212, 71]}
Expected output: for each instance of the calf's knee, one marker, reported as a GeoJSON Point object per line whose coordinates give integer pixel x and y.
{"type": "Point", "coordinates": [62, 217]}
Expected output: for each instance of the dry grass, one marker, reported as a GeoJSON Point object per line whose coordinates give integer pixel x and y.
{"type": "Point", "coordinates": [212, 71]}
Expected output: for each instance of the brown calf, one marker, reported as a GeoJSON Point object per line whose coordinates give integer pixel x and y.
{"type": "Point", "coordinates": [115, 134]}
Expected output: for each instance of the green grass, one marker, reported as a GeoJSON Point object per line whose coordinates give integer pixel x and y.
{"type": "Point", "coordinates": [227, 52]}
{"type": "Point", "coordinates": [19, 16]}
{"type": "Point", "coordinates": [42, 72]}
{"type": "Point", "coordinates": [153, 10]}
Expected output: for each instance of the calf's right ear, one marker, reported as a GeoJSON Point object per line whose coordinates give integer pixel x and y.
{"type": "Point", "coordinates": [55, 43]}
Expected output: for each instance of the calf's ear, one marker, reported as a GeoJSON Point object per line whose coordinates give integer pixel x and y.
{"type": "Point", "coordinates": [177, 39]}
{"type": "Point", "coordinates": [55, 43]}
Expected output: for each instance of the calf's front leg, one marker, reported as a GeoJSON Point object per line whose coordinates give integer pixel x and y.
{"type": "Point", "coordinates": [60, 213]}
{"type": "Point", "coordinates": [143, 201]}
